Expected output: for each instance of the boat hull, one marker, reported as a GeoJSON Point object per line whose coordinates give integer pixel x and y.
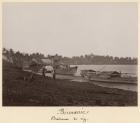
{"type": "Point", "coordinates": [108, 77]}
{"type": "Point", "coordinates": [69, 71]}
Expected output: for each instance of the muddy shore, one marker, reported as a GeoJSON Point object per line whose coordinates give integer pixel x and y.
{"type": "Point", "coordinates": [18, 91]}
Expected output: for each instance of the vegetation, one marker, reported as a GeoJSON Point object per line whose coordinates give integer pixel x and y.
{"type": "Point", "coordinates": [20, 58]}
{"type": "Point", "coordinates": [18, 91]}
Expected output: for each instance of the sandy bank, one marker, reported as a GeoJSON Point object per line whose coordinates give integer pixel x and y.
{"type": "Point", "coordinates": [59, 92]}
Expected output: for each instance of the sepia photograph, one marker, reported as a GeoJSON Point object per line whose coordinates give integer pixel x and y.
{"type": "Point", "coordinates": [70, 54]}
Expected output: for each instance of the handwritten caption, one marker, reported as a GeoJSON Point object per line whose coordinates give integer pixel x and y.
{"type": "Point", "coordinates": [69, 114]}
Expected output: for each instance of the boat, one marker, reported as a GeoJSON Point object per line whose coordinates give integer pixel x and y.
{"type": "Point", "coordinates": [87, 73]}
{"type": "Point", "coordinates": [108, 77]}
{"type": "Point", "coordinates": [65, 69]}
{"type": "Point", "coordinates": [59, 66]}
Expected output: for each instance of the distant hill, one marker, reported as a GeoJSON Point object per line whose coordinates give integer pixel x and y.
{"type": "Point", "coordinates": [19, 59]}
{"type": "Point", "coordinates": [100, 60]}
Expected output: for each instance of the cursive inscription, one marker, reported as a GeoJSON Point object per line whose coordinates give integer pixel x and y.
{"type": "Point", "coordinates": [63, 111]}
{"type": "Point", "coordinates": [66, 114]}
{"type": "Point", "coordinates": [58, 118]}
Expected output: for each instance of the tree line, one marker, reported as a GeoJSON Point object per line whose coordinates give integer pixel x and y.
{"type": "Point", "coordinates": [88, 59]}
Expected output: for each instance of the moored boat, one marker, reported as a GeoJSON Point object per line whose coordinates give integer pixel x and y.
{"type": "Point", "coordinates": [108, 77]}
{"type": "Point", "coordinates": [65, 70]}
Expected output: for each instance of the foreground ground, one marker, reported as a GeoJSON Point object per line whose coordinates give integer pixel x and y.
{"type": "Point", "coordinates": [48, 92]}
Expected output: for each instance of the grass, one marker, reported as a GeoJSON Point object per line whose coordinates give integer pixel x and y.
{"type": "Point", "coordinates": [47, 92]}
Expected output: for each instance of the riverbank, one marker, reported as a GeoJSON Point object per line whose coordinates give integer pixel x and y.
{"type": "Point", "coordinates": [17, 91]}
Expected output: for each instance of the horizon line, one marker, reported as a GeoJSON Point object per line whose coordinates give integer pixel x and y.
{"type": "Point", "coordinates": [70, 56]}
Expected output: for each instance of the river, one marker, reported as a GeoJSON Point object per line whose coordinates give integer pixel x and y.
{"type": "Point", "coordinates": [125, 69]}
{"type": "Point", "coordinates": [128, 70]}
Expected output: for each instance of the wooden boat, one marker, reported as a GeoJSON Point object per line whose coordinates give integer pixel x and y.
{"type": "Point", "coordinates": [65, 70]}
{"type": "Point", "coordinates": [108, 77]}
{"type": "Point", "coordinates": [60, 67]}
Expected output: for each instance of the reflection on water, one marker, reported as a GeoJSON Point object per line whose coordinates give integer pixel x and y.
{"type": "Point", "coordinates": [127, 70]}
{"type": "Point", "coordinates": [131, 87]}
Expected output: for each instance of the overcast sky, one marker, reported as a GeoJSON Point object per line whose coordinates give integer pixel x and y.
{"type": "Point", "coordinates": [71, 29]}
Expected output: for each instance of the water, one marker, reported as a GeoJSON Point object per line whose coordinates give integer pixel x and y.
{"type": "Point", "coordinates": [125, 69]}
{"type": "Point", "coordinates": [129, 87]}
{"type": "Point", "coordinates": [128, 70]}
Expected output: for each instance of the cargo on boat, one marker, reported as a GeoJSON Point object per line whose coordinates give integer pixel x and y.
{"type": "Point", "coordinates": [58, 66]}
{"type": "Point", "coordinates": [65, 69]}
{"type": "Point", "coordinates": [108, 77]}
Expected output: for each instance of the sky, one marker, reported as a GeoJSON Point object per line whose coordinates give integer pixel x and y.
{"type": "Point", "coordinates": [71, 29]}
